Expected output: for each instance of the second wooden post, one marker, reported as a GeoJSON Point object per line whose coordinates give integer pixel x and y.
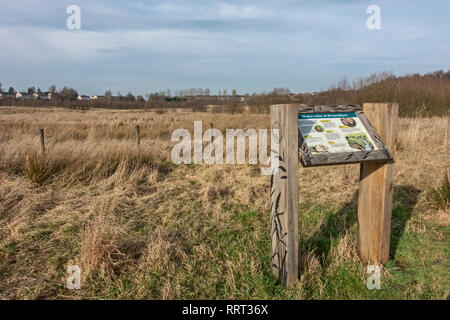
{"type": "Point", "coordinates": [284, 195]}
{"type": "Point", "coordinates": [138, 135]}
{"type": "Point", "coordinates": [376, 189]}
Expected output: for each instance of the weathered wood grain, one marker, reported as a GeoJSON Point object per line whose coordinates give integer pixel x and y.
{"type": "Point", "coordinates": [310, 160]}
{"type": "Point", "coordinates": [376, 189]}
{"type": "Point", "coordinates": [284, 196]}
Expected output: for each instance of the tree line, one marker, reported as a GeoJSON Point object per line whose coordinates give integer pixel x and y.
{"type": "Point", "coordinates": [417, 95]}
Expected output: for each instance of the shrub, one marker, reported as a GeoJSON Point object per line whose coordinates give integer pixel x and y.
{"type": "Point", "coordinates": [37, 167]}
{"type": "Point", "coordinates": [439, 198]}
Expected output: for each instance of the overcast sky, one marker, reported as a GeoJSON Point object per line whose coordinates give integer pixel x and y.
{"type": "Point", "coordinates": [251, 46]}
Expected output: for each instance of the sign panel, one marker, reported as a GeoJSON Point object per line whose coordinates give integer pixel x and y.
{"type": "Point", "coordinates": [338, 134]}
{"type": "Point", "coordinates": [334, 132]}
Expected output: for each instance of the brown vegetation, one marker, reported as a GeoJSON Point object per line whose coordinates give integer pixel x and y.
{"type": "Point", "coordinates": [140, 227]}
{"type": "Point", "coordinates": [418, 96]}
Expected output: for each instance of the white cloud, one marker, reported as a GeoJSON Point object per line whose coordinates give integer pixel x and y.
{"type": "Point", "coordinates": [232, 11]}
{"type": "Point", "coordinates": [47, 45]}
{"type": "Point", "coordinates": [202, 11]}
{"type": "Point", "coordinates": [258, 40]}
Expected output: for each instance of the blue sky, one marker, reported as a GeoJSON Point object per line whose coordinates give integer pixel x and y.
{"type": "Point", "coordinates": [251, 46]}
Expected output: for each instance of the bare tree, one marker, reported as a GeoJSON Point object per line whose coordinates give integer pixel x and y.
{"type": "Point", "coordinates": [31, 90]}
{"type": "Point", "coordinates": [130, 97]}
{"type": "Point", "coordinates": [69, 94]}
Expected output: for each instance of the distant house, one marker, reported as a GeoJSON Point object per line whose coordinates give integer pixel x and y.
{"type": "Point", "coordinates": [44, 95]}
{"type": "Point", "coordinates": [21, 95]}
{"type": "Point", "coordinates": [84, 98]}
{"type": "Point", "coordinates": [8, 95]}
{"type": "Point", "coordinates": [26, 96]}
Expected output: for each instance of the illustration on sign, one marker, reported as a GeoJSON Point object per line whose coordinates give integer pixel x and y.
{"type": "Point", "coordinates": [334, 133]}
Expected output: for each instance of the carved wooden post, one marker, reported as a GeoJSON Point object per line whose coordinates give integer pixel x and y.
{"type": "Point", "coordinates": [376, 189]}
{"type": "Point", "coordinates": [284, 196]}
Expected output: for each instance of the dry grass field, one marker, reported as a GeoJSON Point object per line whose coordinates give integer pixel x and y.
{"type": "Point", "coordinates": [140, 227]}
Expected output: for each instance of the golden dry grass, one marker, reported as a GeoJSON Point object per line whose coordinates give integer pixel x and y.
{"type": "Point", "coordinates": [140, 227]}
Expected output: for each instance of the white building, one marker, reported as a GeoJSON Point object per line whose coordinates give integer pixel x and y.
{"type": "Point", "coordinates": [84, 98]}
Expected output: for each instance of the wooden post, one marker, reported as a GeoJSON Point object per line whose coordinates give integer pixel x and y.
{"type": "Point", "coordinates": [284, 196]}
{"type": "Point", "coordinates": [138, 136]}
{"type": "Point", "coordinates": [446, 134]}
{"type": "Point", "coordinates": [376, 189]}
{"type": "Point", "coordinates": [42, 140]}
{"type": "Point", "coordinates": [212, 127]}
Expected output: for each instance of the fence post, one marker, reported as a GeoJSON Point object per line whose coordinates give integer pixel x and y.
{"type": "Point", "coordinates": [446, 134]}
{"type": "Point", "coordinates": [42, 140]}
{"type": "Point", "coordinates": [138, 136]}
{"type": "Point", "coordinates": [376, 189]}
{"type": "Point", "coordinates": [284, 196]}
{"type": "Point", "coordinates": [212, 138]}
